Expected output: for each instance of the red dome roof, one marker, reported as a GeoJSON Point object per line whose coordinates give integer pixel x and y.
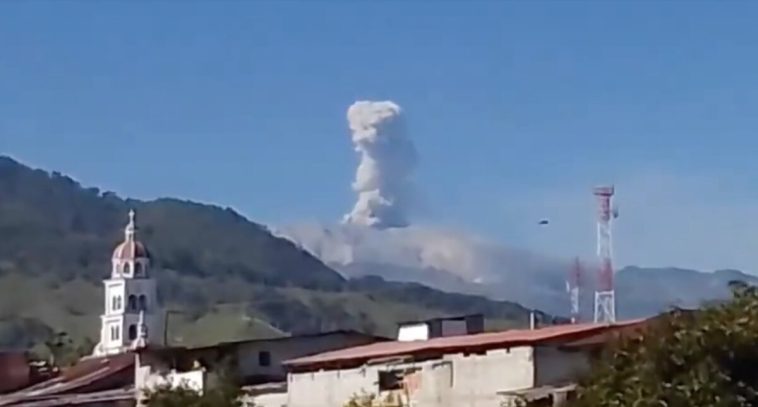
{"type": "Point", "coordinates": [130, 250]}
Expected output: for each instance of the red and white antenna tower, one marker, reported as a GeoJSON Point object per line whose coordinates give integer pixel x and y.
{"type": "Point", "coordinates": [605, 296]}
{"type": "Point", "coordinates": [572, 286]}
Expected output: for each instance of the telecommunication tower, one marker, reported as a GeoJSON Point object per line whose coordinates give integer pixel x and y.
{"type": "Point", "coordinates": [572, 286]}
{"type": "Point", "coordinates": [605, 297]}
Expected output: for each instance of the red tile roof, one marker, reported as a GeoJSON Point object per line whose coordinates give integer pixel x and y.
{"type": "Point", "coordinates": [557, 334]}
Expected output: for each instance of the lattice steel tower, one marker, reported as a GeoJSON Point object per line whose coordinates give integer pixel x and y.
{"type": "Point", "coordinates": [605, 297]}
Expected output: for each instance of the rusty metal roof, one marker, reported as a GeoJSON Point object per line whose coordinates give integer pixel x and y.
{"type": "Point", "coordinates": [80, 399]}
{"type": "Point", "coordinates": [88, 373]}
{"type": "Point", "coordinates": [556, 334]}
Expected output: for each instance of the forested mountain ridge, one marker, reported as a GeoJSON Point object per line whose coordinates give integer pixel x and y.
{"type": "Point", "coordinates": [224, 276]}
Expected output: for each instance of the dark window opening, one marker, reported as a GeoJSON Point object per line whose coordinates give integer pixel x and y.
{"type": "Point", "coordinates": [138, 269]}
{"type": "Point", "coordinates": [391, 380]}
{"type": "Point", "coordinates": [132, 332]}
{"type": "Point", "coordinates": [132, 302]}
{"type": "Point", "coordinates": [264, 358]}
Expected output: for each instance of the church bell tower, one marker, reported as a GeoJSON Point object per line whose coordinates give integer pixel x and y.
{"type": "Point", "coordinates": [132, 317]}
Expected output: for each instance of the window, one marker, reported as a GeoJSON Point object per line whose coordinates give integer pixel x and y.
{"type": "Point", "coordinates": [137, 269]}
{"type": "Point", "coordinates": [132, 303]}
{"type": "Point", "coordinates": [127, 269]}
{"type": "Point", "coordinates": [391, 380]}
{"type": "Point", "coordinates": [399, 379]}
{"type": "Point", "coordinates": [142, 303]}
{"type": "Point", "coordinates": [115, 333]}
{"type": "Point", "coordinates": [132, 332]}
{"type": "Point", "coordinates": [264, 358]}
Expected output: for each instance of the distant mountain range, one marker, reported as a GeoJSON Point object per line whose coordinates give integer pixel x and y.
{"type": "Point", "coordinates": [645, 291]}
{"type": "Point", "coordinates": [640, 292]}
{"type": "Point", "coordinates": [455, 262]}
{"type": "Point", "coordinates": [227, 277]}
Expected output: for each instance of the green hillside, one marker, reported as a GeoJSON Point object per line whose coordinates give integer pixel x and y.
{"type": "Point", "coordinates": [222, 276]}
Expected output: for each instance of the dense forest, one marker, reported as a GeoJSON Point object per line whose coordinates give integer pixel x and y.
{"type": "Point", "coordinates": [221, 276]}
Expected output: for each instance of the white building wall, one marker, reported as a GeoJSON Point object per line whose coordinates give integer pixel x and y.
{"type": "Point", "coordinates": [150, 376]}
{"type": "Point", "coordinates": [268, 400]}
{"type": "Point", "coordinates": [413, 332]}
{"type": "Point", "coordinates": [147, 379]}
{"type": "Point", "coordinates": [453, 381]}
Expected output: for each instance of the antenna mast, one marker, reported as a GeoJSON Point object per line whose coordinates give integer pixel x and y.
{"type": "Point", "coordinates": [605, 296]}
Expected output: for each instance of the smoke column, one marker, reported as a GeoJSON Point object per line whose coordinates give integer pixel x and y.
{"type": "Point", "coordinates": [387, 160]}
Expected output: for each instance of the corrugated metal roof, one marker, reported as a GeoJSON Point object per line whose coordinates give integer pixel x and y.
{"type": "Point", "coordinates": [85, 373]}
{"type": "Point", "coordinates": [515, 337]}
{"type": "Point", "coordinates": [341, 332]}
{"type": "Point", "coordinates": [81, 399]}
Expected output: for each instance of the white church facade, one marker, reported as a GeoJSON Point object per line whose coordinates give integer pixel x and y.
{"type": "Point", "coordinates": [132, 317]}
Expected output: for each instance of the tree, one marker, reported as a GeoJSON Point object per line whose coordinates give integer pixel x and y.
{"type": "Point", "coordinates": [225, 394]}
{"type": "Point", "coordinates": [372, 400]}
{"type": "Point", "coordinates": [63, 351]}
{"type": "Point", "coordinates": [706, 357]}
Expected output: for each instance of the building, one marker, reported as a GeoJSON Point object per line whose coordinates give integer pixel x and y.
{"type": "Point", "coordinates": [15, 371]}
{"type": "Point", "coordinates": [131, 357]}
{"type": "Point", "coordinates": [440, 327]}
{"type": "Point", "coordinates": [253, 362]}
{"type": "Point", "coordinates": [131, 319]}
{"type": "Point", "coordinates": [447, 362]}
{"type": "Point", "coordinates": [93, 382]}
{"type": "Point", "coordinates": [132, 316]}
{"type": "Point", "coordinates": [480, 370]}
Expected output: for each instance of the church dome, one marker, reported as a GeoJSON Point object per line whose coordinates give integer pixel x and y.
{"type": "Point", "coordinates": [130, 251]}
{"type": "Point", "coordinates": [130, 248]}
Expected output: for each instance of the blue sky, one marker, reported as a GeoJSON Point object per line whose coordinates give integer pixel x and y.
{"type": "Point", "coordinates": [517, 110]}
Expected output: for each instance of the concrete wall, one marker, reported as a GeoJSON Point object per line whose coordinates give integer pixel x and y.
{"type": "Point", "coordinates": [424, 330]}
{"type": "Point", "coordinates": [556, 366]}
{"type": "Point", "coordinates": [268, 400]}
{"type": "Point", "coordinates": [454, 327]}
{"type": "Point", "coordinates": [194, 380]}
{"type": "Point", "coordinates": [151, 372]}
{"type": "Point", "coordinates": [249, 355]}
{"type": "Point", "coordinates": [455, 380]}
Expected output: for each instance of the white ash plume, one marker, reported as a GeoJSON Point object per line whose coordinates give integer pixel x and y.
{"type": "Point", "coordinates": [387, 161]}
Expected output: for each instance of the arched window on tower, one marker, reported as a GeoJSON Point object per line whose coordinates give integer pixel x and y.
{"type": "Point", "coordinates": [142, 303]}
{"type": "Point", "coordinates": [132, 303]}
{"type": "Point", "coordinates": [127, 269]}
{"type": "Point", "coordinates": [132, 332]}
{"type": "Point", "coordinates": [115, 334]}
{"type": "Point", "coordinates": [138, 269]}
